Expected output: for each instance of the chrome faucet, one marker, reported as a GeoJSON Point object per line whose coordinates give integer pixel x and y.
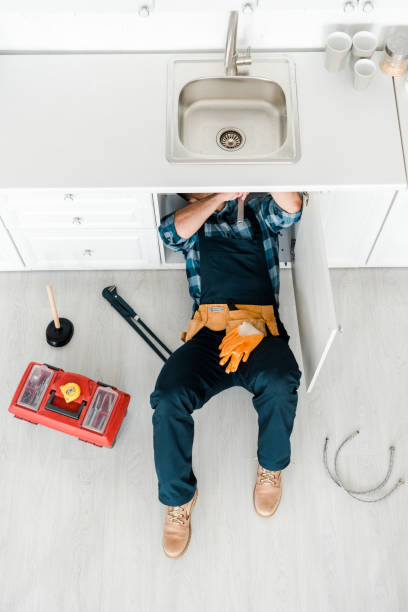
{"type": "Point", "coordinates": [233, 59]}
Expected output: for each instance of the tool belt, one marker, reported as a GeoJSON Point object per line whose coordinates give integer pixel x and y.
{"type": "Point", "coordinates": [220, 316]}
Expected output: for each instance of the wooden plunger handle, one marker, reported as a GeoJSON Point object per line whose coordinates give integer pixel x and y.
{"type": "Point", "coordinates": [53, 307]}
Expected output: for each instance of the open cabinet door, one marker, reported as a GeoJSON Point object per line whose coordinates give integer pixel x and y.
{"type": "Point", "coordinates": [316, 315]}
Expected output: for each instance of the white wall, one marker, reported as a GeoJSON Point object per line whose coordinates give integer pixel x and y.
{"type": "Point", "coordinates": [116, 24]}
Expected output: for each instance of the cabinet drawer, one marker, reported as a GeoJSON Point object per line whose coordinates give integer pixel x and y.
{"type": "Point", "coordinates": [85, 210]}
{"type": "Point", "coordinates": [88, 250]}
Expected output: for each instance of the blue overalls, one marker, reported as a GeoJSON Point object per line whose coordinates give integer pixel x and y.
{"type": "Point", "coordinates": [232, 270]}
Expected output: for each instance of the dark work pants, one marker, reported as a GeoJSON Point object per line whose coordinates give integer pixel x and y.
{"type": "Point", "coordinates": [191, 376]}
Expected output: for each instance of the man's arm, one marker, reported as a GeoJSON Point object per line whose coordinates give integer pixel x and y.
{"type": "Point", "coordinates": [189, 219]}
{"type": "Point", "coordinates": [280, 210]}
{"type": "Point", "coordinates": [178, 229]}
{"type": "Point", "coordinates": [290, 201]}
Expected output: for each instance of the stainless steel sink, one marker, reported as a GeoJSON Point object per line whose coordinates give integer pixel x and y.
{"type": "Point", "coordinates": [213, 118]}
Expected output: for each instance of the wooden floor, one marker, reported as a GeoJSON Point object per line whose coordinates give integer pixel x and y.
{"type": "Point", "coordinates": [81, 527]}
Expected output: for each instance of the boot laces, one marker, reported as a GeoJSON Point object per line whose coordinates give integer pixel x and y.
{"type": "Point", "coordinates": [175, 514]}
{"type": "Point", "coordinates": [269, 476]}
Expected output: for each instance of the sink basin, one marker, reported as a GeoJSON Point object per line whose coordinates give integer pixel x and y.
{"type": "Point", "coordinates": [236, 119]}
{"type": "Point", "coordinates": [233, 114]}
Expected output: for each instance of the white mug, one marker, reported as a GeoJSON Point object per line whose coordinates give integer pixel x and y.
{"type": "Point", "coordinates": [337, 48]}
{"type": "Point", "coordinates": [363, 72]}
{"type": "Point", "coordinates": [364, 44]}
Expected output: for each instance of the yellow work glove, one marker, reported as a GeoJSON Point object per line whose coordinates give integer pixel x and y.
{"type": "Point", "coordinates": [238, 344]}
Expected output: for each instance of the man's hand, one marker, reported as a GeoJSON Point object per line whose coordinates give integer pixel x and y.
{"type": "Point", "coordinates": [221, 197]}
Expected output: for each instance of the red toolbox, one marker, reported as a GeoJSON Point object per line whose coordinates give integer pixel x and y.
{"type": "Point", "coordinates": [71, 403]}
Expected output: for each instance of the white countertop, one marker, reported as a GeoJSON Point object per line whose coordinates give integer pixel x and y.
{"type": "Point", "coordinates": [99, 121]}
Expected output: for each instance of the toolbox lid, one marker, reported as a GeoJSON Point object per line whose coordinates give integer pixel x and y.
{"type": "Point", "coordinates": [35, 387]}
{"type": "Point", "coordinates": [100, 409]}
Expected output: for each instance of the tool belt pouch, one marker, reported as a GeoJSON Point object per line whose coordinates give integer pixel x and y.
{"type": "Point", "coordinates": [263, 317]}
{"type": "Point", "coordinates": [239, 316]}
{"type": "Point", "coordinates": [218, 317]}
{"type": "Point", "coordinates": [194, 326]}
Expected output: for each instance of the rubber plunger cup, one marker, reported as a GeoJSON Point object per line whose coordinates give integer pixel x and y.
{"type": "Point", "coordinates": [59, 332]}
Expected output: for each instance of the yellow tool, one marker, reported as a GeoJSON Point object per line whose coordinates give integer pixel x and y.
{"type": "Point", "coordinates": [238, 344]}
{"type": "Point", "coordinates": [71, 391]}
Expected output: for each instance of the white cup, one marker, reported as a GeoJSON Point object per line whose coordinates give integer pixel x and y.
{"type": "Point", "coordinates": [364, 44]}
{"type": "Point", "coordinates": [337, 48]}
{"type": "Point", "coordinates": [363, 72]}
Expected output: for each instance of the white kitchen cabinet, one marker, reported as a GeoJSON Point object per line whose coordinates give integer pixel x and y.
{"type": "Point", "coordinates": [391, 248]}
{"type": "Point", "coordinates": [9, 257]}
{"type": "Point", "coordinates": [90, 249]}
{"type": "Point", "coordinates": [351, 223]}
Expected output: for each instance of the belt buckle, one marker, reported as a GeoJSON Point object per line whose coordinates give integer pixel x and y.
{"type": "Point", "coordinates": [216, 309]}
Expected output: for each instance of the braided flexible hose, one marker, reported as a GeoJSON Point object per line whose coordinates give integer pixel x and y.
{"type": "Point", "coordinates": [381, 484]}
{"type": "Point", "coordinates": [353, 493]}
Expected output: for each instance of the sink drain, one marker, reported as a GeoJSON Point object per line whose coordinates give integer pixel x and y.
{"type": "Point", "coordinates": [230, 139]}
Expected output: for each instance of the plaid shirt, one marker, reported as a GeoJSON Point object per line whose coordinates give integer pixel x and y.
{"type": "Point", "coordinates": [271, 219]}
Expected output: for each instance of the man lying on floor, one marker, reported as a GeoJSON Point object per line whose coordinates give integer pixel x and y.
{"type": "Point", "coordinates": [234, 338]}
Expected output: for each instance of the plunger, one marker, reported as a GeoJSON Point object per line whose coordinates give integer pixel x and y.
{"type": "Point", "coordinates": [59, 331]}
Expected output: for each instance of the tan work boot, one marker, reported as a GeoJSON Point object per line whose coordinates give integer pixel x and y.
{"type": "Point", "coordinates": [267, 491]}
{"type": "Point", "coordinates": [177, 528]}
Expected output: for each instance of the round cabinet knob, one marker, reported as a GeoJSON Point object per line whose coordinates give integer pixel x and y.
{"type": "Point", "coordinates": [349, 6]}
{"type": "Point", "coordinates": [144, 11]}
{"type": "Point", "coordinates": [88, 252]}
{"type": "Point", "coordinates": [69, 196]}
{"type": "Point", "coordinates": [77, 220]}
{"type": "Point", "coordinates": [368, 6]}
